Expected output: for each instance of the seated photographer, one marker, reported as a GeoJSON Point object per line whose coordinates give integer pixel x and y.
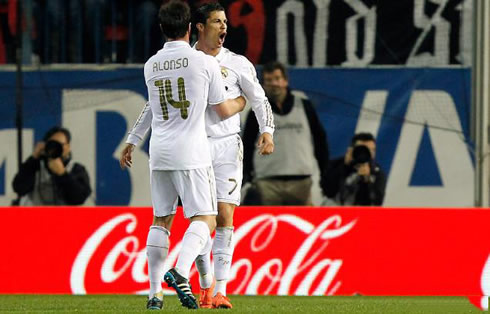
{"type": "Point", "coordinates": [48, 177]}
{"type": "Point", "coordinates": [356, 178]}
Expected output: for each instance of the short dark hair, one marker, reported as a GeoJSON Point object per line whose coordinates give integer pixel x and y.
{"type": "Point", "coordinates": [202, 13]}
{"type": "Point", "coordinates": [365, 136]}
{"type": "Point", "coordinates": [174, 18]}
{"type": "Point", "coordinates": [275, 65]}
{"type": "Point", "coordinates": [55, 130]}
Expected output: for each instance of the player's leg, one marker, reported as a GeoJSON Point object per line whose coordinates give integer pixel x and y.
{"type": "Point", "coordinates": [228, 169]}
{"type": "Point", "coordinates": [223, 248]}
{"type": "Point", "coordinates": [203, 261]}
{"type": "Point", "coordinates": [195, 242]}
{"type": "Point", "coordinates": [157, 244]}
{"type": "Point", "coordinates": [206, 278]}
{"type": "Point", "coordinates": [198, 194]}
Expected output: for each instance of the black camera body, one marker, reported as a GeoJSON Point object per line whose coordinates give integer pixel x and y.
{"type": "Point", "coordinates": [53, 149]}
{"type": "Point", "coordinates": [360, 155]}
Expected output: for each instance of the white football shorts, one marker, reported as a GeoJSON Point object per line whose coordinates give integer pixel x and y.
{"type": "Point", "coordinates": [196, 188]}
{"type": "Point", "coordinates": [227, 157]}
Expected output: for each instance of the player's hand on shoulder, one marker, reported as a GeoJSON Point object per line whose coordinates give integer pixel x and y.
{"type": "Point", "coordinates": [265, 144]}
{"type": "Point", "coordinates": [126, 156]}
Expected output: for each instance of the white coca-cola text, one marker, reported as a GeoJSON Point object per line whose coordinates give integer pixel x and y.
{"type": "Point", "coordinates": [277, 273]}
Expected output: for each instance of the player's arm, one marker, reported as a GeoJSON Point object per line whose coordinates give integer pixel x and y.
{"type": "Point", "coordinates": [230, 107]}
{"type": "Point", "coordinates": [136, 135]}
{"type": "Point", "coordinates": [265, 144]}
{"type": "Point", "coordinates": [255, 94]}
{"type": "Point", "coordinates": [225, 108]}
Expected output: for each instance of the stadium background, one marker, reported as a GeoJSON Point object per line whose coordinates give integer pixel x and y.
{"type": "Point", "coordinates": [399, 69]}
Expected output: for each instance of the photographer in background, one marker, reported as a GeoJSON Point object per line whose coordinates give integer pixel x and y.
{"type": "Point", "coordinates": [48, 177]}
{"type": "Point", "coordinates": [356, 178]}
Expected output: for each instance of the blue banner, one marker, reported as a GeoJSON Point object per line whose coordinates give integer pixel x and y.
{"type": "Point", "coordinates": [420, 118]}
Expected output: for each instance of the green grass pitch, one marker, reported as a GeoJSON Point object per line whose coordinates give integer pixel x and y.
{"type": "Point", "coordinates": [242, 304]}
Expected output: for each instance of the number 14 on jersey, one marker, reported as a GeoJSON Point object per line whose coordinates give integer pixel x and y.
{"type": "Point", "coordinates": [165, 92]}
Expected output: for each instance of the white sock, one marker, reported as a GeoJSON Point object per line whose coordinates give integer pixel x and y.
{"type": "Point", "coordinates": [156, 250]}
{"type": "Point", "coordinates": [223, 247]}
{"type": "Point", "coordinates": [220, 287]}
{"type": "Point", "coordinates": [193, 243]}
{"type": "Point", "coordinates": [203, 265]}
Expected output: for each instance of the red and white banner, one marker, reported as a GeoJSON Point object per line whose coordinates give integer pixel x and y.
{"type": "Point", "coordinates": [279, 250]}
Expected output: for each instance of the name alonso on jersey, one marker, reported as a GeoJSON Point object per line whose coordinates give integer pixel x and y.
{"type": "Point", "coordinates": [170, 64]}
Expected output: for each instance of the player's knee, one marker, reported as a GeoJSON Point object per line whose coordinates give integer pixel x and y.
{"type": "Point", "coordinates": [212, 225]}
{"type": "Point", "coordinates": [165, 222]}
{"type": "Point", "coordinates": [224, 219]}
{"type": "Point", "coordinates": [225, 214]}
{"type": "Point", "coordinates": [207, 219]}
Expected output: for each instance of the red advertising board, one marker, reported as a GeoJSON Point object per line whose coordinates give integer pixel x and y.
{"type": "Point", "coordinates": [279, 250]}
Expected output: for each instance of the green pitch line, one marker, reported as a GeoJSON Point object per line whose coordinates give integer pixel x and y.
{"type": "Point", "coordinates": [241, 304]}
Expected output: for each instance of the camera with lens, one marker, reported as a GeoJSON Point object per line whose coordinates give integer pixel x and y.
{"type": "Point", "coordinates": [53, 149]}
{"type": "Point", "coordinates": [360, 155]}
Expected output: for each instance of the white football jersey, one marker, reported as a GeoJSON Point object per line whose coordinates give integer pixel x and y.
{"type": "Point", "coordinates": [181, 83]}
{"type": "Point", "coordinates": [239, 78]}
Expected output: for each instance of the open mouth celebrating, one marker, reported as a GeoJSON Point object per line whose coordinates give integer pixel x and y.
{"type": "Point", "coordinates": [222, 37]}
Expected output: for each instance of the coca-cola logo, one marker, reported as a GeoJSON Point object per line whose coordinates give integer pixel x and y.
{"type": "Point", "coordinates": [108, 274]}
{"type": "Point", "coordinates": [282, 271]}
{"type": "Point", "coordinates": [118, 263]}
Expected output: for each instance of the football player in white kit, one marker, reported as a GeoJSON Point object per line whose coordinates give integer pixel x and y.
{"type": "Point", "coordinates": [182, 83]}
{"type": "Point", "coordinates": [226, 147]}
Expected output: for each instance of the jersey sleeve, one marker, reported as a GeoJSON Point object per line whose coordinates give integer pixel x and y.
{"type": "Point", "coordinates": [141, 126]}
{"type": "Point", "coordinates": [255, 94]}
{"type": "Point", "coordinates": [216, 86]}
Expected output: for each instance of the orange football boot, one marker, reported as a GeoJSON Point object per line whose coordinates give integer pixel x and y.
{"type": "Point", "coordinates": [221, 302]}
{"type": "Point", "coordinates": [206, 297]}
